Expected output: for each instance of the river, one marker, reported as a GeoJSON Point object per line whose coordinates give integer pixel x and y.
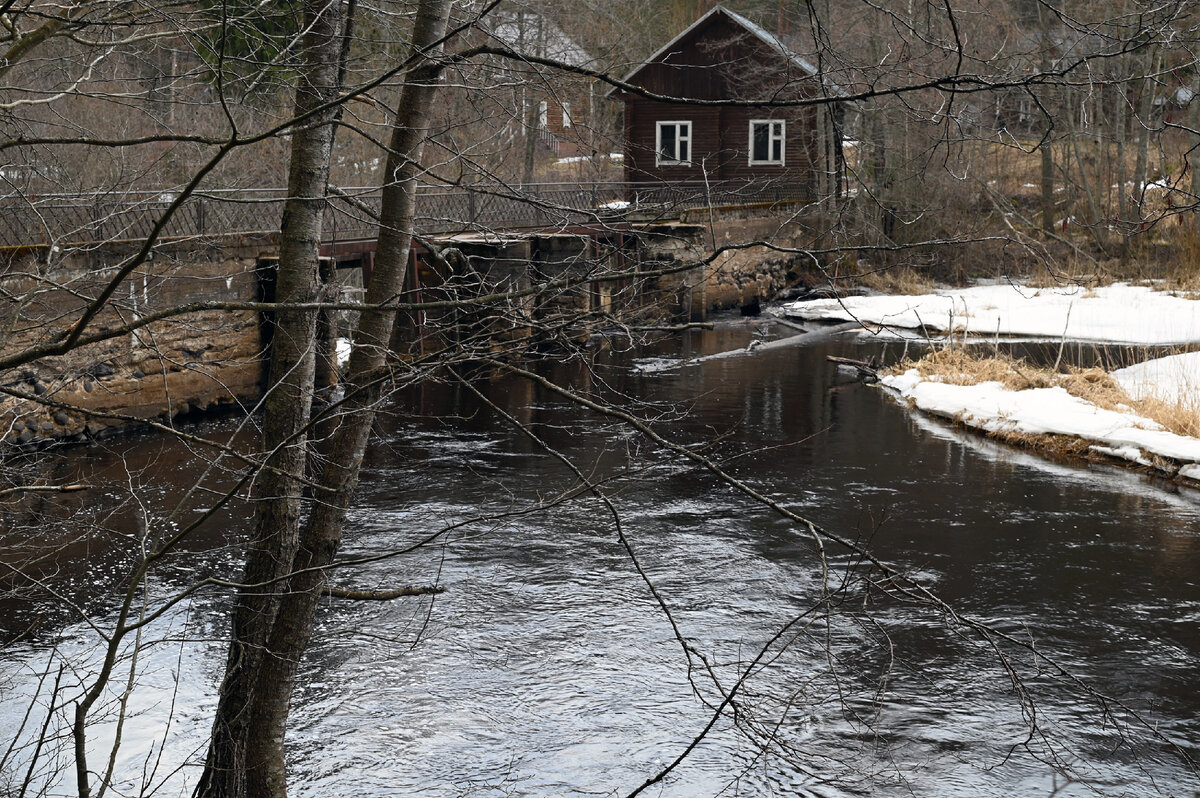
{"type": "Point", "coordinates": [548, 667]}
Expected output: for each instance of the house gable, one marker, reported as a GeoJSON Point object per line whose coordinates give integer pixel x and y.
{"type": "Point", "coordinates": [724, 56]}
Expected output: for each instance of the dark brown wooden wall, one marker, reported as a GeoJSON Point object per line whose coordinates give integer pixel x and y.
{"type": "Point", "coordinates": [641, 127]}
{"type": "Point", "coordinates": [720, 142]}
{"type": "Point", "coordinates": [721, 60]}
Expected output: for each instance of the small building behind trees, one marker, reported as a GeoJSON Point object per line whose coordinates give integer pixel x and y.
{"type": "Point", "coordinates": [773, 151]}
{"type": "Point", "coordinates": [558, 108]}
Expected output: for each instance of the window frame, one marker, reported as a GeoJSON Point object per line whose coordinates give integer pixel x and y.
{"type": "Point", "coordinates": [680, 125]}
{"type": "Point", "coordinates": [772, 137]}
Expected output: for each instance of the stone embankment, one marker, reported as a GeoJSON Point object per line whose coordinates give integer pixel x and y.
{"type": "Point", "coordinates": [162, 370]}
{"type": "Point", "coordinates": [739, 276]}
{"type": "Point", "coordinates": [215, 358]}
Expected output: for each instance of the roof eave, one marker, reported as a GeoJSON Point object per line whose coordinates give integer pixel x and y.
{"type": "Point", "coordinates": [751, 27]}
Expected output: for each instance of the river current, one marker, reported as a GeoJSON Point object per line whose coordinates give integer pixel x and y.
{"type": "Point", "coordinates": [548, 667]}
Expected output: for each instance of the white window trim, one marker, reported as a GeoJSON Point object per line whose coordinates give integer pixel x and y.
{"type": "Point", "coordinates": [680, 124]}
{"type": "Point", "coordinates": [782, 137]}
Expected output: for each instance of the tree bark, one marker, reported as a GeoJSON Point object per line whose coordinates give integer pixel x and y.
{"type": "Point", "coordinates": [1047, 181]}
{"type": "Point", "coordinates": [1193, 155]}
{"type": "Point", "coordinates": [1122, 129]}
{"type": "Point", "coordinates": [266, 712]}
{"type": "Point", "coordinates": [242, 754]}
{"type": "Point", "coordinates": [1145, 125]}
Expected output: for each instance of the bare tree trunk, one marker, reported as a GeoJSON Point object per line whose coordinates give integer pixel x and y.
{"type": "Point", "coordinates": [1046, 151]}
{"type": "Point", "coordinates": [1084, 185]}
{"type": "Point", "coordinates": [529, 109]}
{"type": "Point", "coordinates": [292, 628]}
{"type": "Point", "coordinates": [1047, 183]}
{"type": "Point", "coordinates": [1145, 110]}
{"type": "Point", "coordinates": [1122, 127]}
{"type": "Point", "coordinates": [532, 131]}
{"type": "Point", "coordinates": [1104, 180]}
{"type": "Point", "coordinates": [242, 753]}
{"type": "Point", "coordinates": [1193, 153]}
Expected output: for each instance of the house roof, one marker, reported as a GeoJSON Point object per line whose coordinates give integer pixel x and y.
{"type": "Point", "coordinates": [752, 28]}
{"type": "Point", "coordinates": [538, 36]}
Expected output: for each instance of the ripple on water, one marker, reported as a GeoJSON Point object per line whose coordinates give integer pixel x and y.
{"type": "Point", "coordinates": [547, 667]}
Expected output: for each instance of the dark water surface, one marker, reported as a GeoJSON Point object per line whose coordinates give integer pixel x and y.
{"type": "Point", "coordinates": [548, 668]}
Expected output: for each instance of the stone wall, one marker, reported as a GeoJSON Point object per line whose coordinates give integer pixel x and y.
{"type": "Point", "coordinates": [214, 358]}
{"type": "Point", "coordinates": [190, 363]}
{"type": "Point", "coordinates": [741, 278]}
{"type": "Point", "coordinates": [738, 277]}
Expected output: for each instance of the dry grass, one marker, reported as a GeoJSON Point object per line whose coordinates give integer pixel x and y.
{"type": "Point", "coordinates": [957, 366]}
{"type": "Point", "coordinates": [1181, 416]}
{"type": "Point", "coordinates": [896, 280]}
{"type": "Point", "coordinates": [1184, 277]}
{"type": "Point", "coordinates": [1086, 274]}
{"type": "Point", "coordinates": [1060, 446]}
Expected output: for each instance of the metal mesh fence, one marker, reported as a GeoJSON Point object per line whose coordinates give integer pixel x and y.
{"type": "Point", "coordinates": [85, 220]}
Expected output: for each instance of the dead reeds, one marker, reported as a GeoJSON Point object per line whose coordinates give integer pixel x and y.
{"type": "Point", "coordinates": [958, 366]}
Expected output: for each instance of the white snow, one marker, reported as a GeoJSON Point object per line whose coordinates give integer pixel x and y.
{"type": "Point", "coordinates": [1118, 313]}
{"type": "Point", "coordinates": [612, 156]}
{"type": "Point", "coordinates": [991, 407]}
{"type": "Point", "coordinates": [1168, 378]}
{"type": "Point", "coordinates": [342, 348]}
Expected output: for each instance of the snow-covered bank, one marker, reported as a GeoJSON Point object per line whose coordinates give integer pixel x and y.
{"type": "Point", "coordinates": [1113, 314]}
{"type": "Point", "coordinates": [1170, 379]}
{"type": "Point", "coordinates": [992, 408]}
{"type": "Point", "coordinates": [1117, 313]}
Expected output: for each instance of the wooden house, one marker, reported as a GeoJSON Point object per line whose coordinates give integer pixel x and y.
{"type": "Point", "coordinates": [558, 108]}
{"type": "Point", "coordinates": [737, 152]}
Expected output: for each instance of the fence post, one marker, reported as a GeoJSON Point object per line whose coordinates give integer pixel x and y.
{"type": "Point", "coordinates": [98, 219]}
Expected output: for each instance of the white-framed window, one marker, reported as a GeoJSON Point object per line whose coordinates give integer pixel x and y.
{"type": "Point", "coordinates": [543, 115]}
{"type": "Point", "coordinates": [767, 141]}
{"type": "Point", "coordinates": [566, 109]}
{"type": "Point", "coordinates": [674, 143]}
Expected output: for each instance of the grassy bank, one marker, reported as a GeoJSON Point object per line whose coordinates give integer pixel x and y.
{"type": "Point", "coordinates": [957, 366]}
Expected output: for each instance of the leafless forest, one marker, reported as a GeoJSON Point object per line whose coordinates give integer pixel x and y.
{"type": "Point", "coordinates": [979, 139]}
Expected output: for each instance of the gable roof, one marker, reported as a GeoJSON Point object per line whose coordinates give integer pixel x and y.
{"type": "Point", "coordinates": [536, 35]}
{"type": "Point", "coordinates": [752, 28]}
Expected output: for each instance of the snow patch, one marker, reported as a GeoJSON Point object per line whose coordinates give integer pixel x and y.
{"type": "Point", "coordinates": [990, 407]}
{"type": "Point", "coordinates": [342, 348]}
{"type": "Point", "coordinates": [1118, 313]}
{"type": "Point", "coordinates": [1190, 471]}
{"type": "Point", "coordinates": [1167, 378]}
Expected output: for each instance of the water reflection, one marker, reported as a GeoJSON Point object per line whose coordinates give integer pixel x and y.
{"type": "Point", "coordinates": [547, 668]}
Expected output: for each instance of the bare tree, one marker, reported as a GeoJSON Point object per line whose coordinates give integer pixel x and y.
{"type": "Point", "coordinates": [928, 88]}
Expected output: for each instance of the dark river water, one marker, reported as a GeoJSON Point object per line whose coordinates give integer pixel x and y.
{"type": "Point", "coordinates": [549, 668]}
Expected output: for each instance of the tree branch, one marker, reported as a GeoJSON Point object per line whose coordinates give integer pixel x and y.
{"type": "Point", "coordinates": [382, 595]}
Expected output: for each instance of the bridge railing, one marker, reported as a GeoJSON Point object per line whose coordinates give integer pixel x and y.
{"type": "Point", "coordinates": [87, 220]}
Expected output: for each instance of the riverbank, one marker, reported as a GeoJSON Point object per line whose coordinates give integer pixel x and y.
{"type": "Point", "coordinates": [1143, 415]}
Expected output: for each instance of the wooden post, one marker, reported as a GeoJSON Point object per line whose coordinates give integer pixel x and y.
{"type": "Point", "coordinates": [326, 369]}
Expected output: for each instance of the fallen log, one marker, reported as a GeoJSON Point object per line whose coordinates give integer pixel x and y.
{"type": "Point", "coordinates": [757, 347]}
{"type": "Point", "coordinates": [867, 372]}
